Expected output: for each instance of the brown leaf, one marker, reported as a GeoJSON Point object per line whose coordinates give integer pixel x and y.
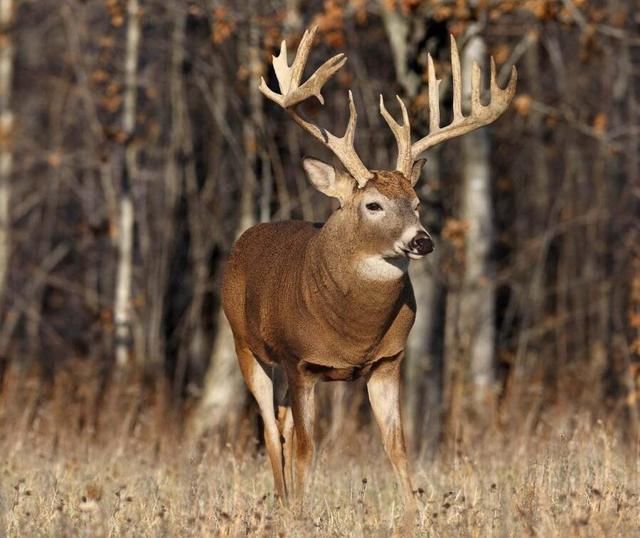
{"type": "Point", "coordinates": [222, 27]}
{"type": "Point", "coordinates": [631, 398]}
{"type": "Point", "coordinates": [94, 492]}
{"type": "Point", "coordinates": [600, 123]}
{"type": "Point", "coordinates": [539, 8]}
{"type": "Point", "coordinates": [634, 320]}
{"type": "Point", "coordinates": [99, 75]}
{"type": "Point", "coordinates": [619, 18]}
{"type": "Point", "coordinates": [501, 53]}
{"type": "Point", "coordinates": [54, 159]}
{"type": "Point", "coordinates": [522, 104]}
{"type": "Point", "coordinates": [455, 231]}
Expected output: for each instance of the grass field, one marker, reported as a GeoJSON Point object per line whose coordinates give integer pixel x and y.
{"type": "Point", "coordinates": [61, 475]}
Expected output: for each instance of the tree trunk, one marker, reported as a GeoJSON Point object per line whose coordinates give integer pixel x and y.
{"type": "Point", "coordinates": [223, 391]}
{"type": "Point", "coordinates": [424, 366]}
{"type": "Point", "coordinates": [533, 192]}
{"type": "Point", "coordinates": [424, 360]}
{"type": "Point", "coordinates": [157, 259]}
{"type": "Point", "coordinates": [6, 138]}
{"type": "Point", "coordinates": [194, 355]}
{"type": "Point", "coordinates": [124, 274]}
{"type": "Point", "coordinates": [477, 301]}
{"type": "Point", "coordinates": [397, 27]}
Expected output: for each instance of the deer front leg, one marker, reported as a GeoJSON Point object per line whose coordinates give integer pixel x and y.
{"type": "Point", "coordinates": [384, 394]}
{"type": "Point", "coordinates": [301, 391]}
{"type": "Point", "coordinates": [261, 386]}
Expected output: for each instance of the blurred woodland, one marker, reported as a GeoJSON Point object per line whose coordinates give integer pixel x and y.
{"type": "Point", "coordinates": [135, 147]}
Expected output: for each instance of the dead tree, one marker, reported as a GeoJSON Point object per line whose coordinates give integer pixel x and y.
{"type": "Point", "coordinates": [478, 289]}
{"type": "Point", "coordinates": [126, 218]}
{"type": "Point", "coordinates": [6, 138]}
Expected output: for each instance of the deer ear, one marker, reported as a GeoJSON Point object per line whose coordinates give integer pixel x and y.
{"type": "Point", "coordinates": [415, 171]}
{"type": "Point", "coordinates": [328, 180]}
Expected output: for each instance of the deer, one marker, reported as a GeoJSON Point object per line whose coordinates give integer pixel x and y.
{"type": "Point", "coordinates": [333, 301]}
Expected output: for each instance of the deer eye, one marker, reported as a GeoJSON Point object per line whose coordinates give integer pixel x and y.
{"type": "Point", "coordinates": [374, 206]}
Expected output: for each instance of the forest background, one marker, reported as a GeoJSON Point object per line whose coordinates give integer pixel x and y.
{"type": "Point", "coordinates": [135, 147]}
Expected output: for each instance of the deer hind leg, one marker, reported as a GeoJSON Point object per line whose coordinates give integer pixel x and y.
{"type": "Point", "coordinates": [383, 387]}
{"type": "Point", "coordinates": [261, 386]}
{"type": "Point", "coordinates": [285, 422]}
{"type": "Point", "coordinates": [301, 391]}
{"type": "Point", "coordinates": [288, 437]}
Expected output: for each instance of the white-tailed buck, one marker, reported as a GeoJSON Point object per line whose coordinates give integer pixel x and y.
{"type": "Point", "coordinates": [334, 301]}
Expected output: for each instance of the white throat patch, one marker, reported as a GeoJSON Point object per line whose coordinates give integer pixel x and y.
{"type": "Point", "coordinates": [379, 268]}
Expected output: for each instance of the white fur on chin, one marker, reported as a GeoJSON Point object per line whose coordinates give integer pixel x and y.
{"type": "Point", "coordinates": [379, 268]}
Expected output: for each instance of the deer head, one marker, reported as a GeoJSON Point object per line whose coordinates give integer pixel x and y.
{"type": "Point", "coordinates": [381, 205]}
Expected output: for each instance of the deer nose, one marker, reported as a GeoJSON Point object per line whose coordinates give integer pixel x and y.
{"type": "Point", "coordinates": [421, 243]}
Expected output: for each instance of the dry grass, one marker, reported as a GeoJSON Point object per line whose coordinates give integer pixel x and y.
{"type": "Point", "coordinates": [59, 477]}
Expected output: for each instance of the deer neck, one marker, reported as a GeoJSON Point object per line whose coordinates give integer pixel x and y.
{"type": "Point", "coordinates": [356, 292]}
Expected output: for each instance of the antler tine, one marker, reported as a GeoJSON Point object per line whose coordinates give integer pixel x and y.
{"type": "Point", "coordinates": [281, 68]}
{"type": "Point", "coordinates": [302, 55]}
{"type": "Point", "coordinates": [293, 93]}
{"type": "Point", "coordinates": [480, 116]}
{"type": "Point", "coordinates": [402, 134]}
{"type": "Point", "coordinates": [457, 81]}
{"type": "Point", "coordinates": [350, 130]}
{"type": "Point", "coordinates": [342, 147]}
{"type": "Point", "coordinates": [476, 80]}
{"type": "Point", "coordinates": [434, 97]}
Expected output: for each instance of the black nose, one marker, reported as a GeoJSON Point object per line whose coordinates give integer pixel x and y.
{"type": "Point", "coordinates": [421, 243]}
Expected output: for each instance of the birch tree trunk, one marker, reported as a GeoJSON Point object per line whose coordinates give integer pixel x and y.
{"type": "Point", "coordinates": [423, 364]}
{"type": "Point", "coordinates": [6, 138]}
{"type": "Point", "coordinates": [477, 300]}
{"type": "Point", "coordinates": [397, 28]}
{"type": "Point", "coordinates": [122, 306]}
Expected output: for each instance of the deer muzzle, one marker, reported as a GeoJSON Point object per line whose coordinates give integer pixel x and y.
{"type": "Point", "coordinates": [421, 244]}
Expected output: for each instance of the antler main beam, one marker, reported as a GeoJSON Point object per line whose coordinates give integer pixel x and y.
{"type": "Point", "coordinates": [293, 93]}
{"type": "Point", "coordinates": [480, 115]}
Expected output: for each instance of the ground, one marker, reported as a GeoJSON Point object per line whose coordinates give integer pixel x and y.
{"type": "Point", "coordinates": [570, 479]}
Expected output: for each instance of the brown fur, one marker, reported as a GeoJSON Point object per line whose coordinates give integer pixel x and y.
{"type": "Point", "coordinates": [336, 302]}
{"type": "Point", "coordinates": [295, 301]}
{"type": "Point", "coordinates": [392, 184]}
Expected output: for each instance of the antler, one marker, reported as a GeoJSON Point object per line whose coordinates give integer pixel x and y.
{"type": "Point", "coordinates": [402, 134]}
{"type": "Point", "coordinates": [293, 93]}
{"type": "Point", "coordinates": [481, 115]}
